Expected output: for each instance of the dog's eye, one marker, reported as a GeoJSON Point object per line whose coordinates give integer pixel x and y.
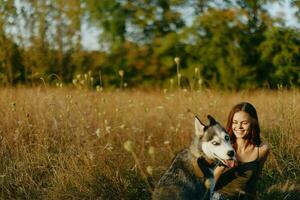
{"type": "Point", "coordinates": [215, 143]}
{"type": "Point", "coordinates": [226, 137]}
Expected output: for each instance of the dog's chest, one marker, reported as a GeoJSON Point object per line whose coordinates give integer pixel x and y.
{"type": "Point", "coordinates": [208, 175]}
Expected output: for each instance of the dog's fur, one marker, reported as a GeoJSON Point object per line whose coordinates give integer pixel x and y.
{"type": "Point", "coordinates": [191, 174]}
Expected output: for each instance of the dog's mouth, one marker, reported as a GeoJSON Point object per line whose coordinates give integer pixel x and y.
{"type": "Point", "coordinates": [227, 162]}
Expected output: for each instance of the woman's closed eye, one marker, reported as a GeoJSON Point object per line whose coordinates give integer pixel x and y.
{"type": "Point", "coordinates": [242, 122]}
{"type": "Point", "coordinates": [234, 122]}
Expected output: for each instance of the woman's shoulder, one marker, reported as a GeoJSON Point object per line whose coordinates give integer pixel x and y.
{"type": "Point", "coordinates": [263, 150]}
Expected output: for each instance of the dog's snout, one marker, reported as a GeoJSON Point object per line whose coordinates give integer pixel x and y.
{"type": "Point", "coordinates": [230, 153]}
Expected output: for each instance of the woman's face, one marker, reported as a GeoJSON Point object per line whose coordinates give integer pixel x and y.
{"type": "Point", "coordinates": [241, 124]}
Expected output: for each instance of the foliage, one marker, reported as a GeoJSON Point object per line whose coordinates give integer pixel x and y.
{"type": "Point", "coordinates": [234, 44]}
{"type": "Point", "coordinates": [282, 58]}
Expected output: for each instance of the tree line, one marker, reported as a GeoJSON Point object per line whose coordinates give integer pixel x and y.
{"type": "Point", "coordinates": [230, 44]}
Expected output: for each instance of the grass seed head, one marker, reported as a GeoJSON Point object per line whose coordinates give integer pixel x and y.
{"type": "Point", "coordinates": [177, 60]}
{"type": "Point", "coordinates": [129, 146]}
{"type": "Point", "coordinates": [151, 151]}
{"type": "Point", "coordinates": [121, 73]}
{"type": "Point", "coordinates": [149, 170]}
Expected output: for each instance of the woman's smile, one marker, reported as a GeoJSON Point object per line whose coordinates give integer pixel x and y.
{"type": "Point", "coordinates": [241, 124]}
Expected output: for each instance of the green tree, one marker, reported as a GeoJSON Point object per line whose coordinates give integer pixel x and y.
{"type": "Point", "coordinates": [226, 42]}
{"type": "Point", "coordinates": [53, 29]}
{"type": "Point", "coordinates": [296, 4]}
{"type": "Point", "coordinates": [280, 54]}
{"type": "Point", "coordinates": [129, 28]}
{"type": "Point", "coordinates": [229, 41]}
{"type": "Point", "coordinates": [9, 51]}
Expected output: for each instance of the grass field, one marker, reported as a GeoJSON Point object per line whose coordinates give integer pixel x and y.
{"type": "Point", "coordinates": [69, 144]}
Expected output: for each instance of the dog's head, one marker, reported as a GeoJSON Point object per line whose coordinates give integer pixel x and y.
{"type": "Point", "coordinates": [214, 141]}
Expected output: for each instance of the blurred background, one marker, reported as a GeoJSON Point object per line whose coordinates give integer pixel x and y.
{"type": "Point", "coordinates": [229, 44]}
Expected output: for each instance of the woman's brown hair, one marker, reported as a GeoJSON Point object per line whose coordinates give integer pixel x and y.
{"type": "Point", "coordinates": [254, 136]}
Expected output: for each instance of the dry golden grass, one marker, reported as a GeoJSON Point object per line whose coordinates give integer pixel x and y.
{"type": "Point", "coordinates": [69, 144]}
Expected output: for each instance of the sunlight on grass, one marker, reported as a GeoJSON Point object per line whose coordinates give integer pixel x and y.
{"type": "Point", "coordinates": [63, 143]}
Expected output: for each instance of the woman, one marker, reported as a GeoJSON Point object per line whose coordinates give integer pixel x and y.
{"type": "Point", "coordinates": [239, 182]}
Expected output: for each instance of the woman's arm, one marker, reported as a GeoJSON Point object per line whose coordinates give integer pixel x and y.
{"type": "Point", "coordinates": [217, 172]}
{"type": "Point", "coordinates": [263, 152]}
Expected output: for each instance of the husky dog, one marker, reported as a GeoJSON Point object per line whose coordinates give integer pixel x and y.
{"type": "Point", "coordinates": [191, 174]}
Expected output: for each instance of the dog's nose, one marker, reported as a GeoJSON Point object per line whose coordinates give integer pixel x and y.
{"type": "Point", "coordinates": [230, 153]}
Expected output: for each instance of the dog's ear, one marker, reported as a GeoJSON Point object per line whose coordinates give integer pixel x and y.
{"type": "Point", "coordinates": [199, 127]}
{"type": "Point", "coordinates": [211, 120]}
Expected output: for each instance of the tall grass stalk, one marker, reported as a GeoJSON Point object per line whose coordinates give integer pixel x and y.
{"type": "Point", "coordinates": [121, 74]}
{"type": "Point", "coordinates": [177, 61]}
